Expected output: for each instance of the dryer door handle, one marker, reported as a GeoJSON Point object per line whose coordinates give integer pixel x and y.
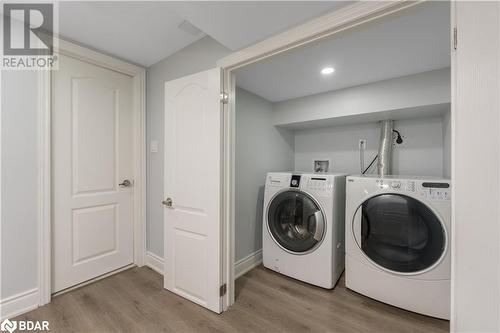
{"type": "Point", "coordinates": [320, 225]}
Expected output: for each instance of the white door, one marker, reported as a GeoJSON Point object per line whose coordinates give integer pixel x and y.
{"type": "Point", "coordinates": [476, 169]}
{"type": "Point", "coordinates": [91, 155]}
{"type": "Point", "coordinates": [193, 127]}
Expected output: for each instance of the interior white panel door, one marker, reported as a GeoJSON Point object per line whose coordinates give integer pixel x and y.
{"type": "Point", "coordinates": [193, 127]}
{"type": "Point", "coordinates": [91, 155]}
{"type": "Point", "coordinates": [475, 266]}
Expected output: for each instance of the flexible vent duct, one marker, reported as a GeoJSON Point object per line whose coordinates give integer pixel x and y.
{"type": "Point", "coordinates": [385, 148]}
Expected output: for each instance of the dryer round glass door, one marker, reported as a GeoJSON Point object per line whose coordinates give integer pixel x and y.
{"type": "Point", "coordinates": [295, 221]}
{"type": "Point", "coordinates": [399, 233]}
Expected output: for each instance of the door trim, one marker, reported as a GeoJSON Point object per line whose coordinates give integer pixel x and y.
{"type": "Point", "coordinates": [138, 74]}
{"type": "Point", "coordinates": [314, 30]}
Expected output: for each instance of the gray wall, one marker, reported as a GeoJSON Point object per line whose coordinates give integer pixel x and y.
{"type": "Point", "coordinates": [260, 148]}
{"type": "Point", "coordinates": [199, 56]}
{"type": "Point", "coordinates": [420, 154]}
{"type": "Point", "coordinates": [19, 230]}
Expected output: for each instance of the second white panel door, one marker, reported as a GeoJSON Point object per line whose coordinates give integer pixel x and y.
{"type": "Point", "coordinates": [193, 127]}
{"type": "Point", "coordinates": [92, 154]}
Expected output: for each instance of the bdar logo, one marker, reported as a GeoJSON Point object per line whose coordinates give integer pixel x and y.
{"type": "Point", "coordinates": [8, 325]}
{"type": "Point", "coordinates": [24, 325]}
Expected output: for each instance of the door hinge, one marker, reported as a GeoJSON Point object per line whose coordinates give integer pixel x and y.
{"type": "Point", "coordinates": [455, 38]}
{"type": "Point", "coordinates": [224, 97]}
{"type": "Point", "coordinates": [222, 290]}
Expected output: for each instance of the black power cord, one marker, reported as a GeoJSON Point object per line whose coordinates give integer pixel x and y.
{"type": "Point", "coordinates": [399, 139]}
{"type": "Point", "coordinates": [371, 163]}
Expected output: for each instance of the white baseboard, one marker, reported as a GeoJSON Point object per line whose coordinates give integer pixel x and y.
{"type": "Point", "coordinates": [246, 264]}
{"type": "Point", "coordinates": [154, 262]}
{"type": "Point", "coordinates": [18, 304]}
{"type": "Point", "coordinates": [240, 267]}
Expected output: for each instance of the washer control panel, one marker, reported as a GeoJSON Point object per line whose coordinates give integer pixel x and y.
{"type": "Point", "coordinates": [439, 190]}
{"type": "Point", "coordinates": [295, 182]}
{"type": "Point", "coordinates": [319, 184]}
{"type": "Point", "coordinates": [277, 180]}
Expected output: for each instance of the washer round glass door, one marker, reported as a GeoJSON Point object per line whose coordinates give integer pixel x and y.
{"type": "Point", "coordinates": [399, 233]}
{"type": "Point", "coordinates": [295, 221]}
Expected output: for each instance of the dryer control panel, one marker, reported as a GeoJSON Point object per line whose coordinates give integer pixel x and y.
{"type": "Point", "coordinates": [434, 190]}
{"type": "Point", "coordinates": [438, 190]}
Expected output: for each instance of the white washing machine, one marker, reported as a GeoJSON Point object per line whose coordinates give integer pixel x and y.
{"type": "Point", "coordinates": [303, 226]}
{"type": "Point", "coordinates": [398, 241]}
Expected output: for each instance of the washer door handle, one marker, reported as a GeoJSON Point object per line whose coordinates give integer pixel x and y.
{"type": "Point", "coordinates": [320, 225]}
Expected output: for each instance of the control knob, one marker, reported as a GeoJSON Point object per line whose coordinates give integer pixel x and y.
{"type": "Point", "coordinates": [396, 185]}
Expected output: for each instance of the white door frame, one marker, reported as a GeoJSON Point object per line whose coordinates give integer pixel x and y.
{"type": "Point", "coordinates": [314, 30]}
{"type": "Point", "coordinates": [138, 74]}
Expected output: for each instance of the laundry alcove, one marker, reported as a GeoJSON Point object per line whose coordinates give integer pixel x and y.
{"type": "Point", "coordinates": [288, 114]}
{"type": "Point", "coordinates": [263, 146]}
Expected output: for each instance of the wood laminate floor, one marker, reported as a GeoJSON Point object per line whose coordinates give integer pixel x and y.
{"type": "Point", "coordinates": [135, 301]}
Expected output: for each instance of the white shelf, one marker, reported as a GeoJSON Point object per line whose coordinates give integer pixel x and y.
{"type": "Point", "coordinates": [419, 95]}
{"type": "Point", "coordinates": [424, 111]}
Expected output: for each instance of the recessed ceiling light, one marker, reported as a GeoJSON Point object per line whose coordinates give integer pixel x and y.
{"type": "Point", "coordinates": [327, 70]}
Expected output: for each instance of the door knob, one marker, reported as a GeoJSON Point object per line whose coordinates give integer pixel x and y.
{"type": "Point", "coordinates": [125, 183]}
{"type": "Point", "coordinates": [168, 203]}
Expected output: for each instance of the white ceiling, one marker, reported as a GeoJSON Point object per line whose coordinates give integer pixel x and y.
{"type": "Point", "coordinates": [236, 24]}
{"type": "Point", "coordinates": [413, 41]}
{"type": "Point", "coordinates": [145, 32]}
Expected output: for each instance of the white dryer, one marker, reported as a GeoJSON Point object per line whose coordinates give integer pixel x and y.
{"type": "Point", "coordinates": [398, 241]}
{"type": "Point", "coordinates": [303, 226]}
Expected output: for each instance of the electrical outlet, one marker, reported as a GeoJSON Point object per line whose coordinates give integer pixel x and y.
{"type": "Point", "coordinates": [362, 144]}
